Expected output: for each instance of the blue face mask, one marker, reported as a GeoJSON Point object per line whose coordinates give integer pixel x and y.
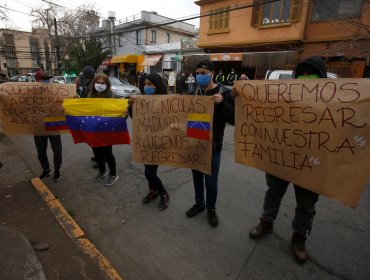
{"type": "Point", "coordinates": [203, 80]}
{"type": "Point", "coordinates": [149, 90]}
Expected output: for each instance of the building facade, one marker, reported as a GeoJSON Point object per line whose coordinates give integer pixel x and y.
{"type": "Point", "coordinates": [277, 34]}
{"type": "Point", "coordinates": [25, 52]}
{"type": "Point", "coordinates": [129, 37]}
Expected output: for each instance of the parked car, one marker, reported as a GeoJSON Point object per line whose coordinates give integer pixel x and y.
{"type": "Point", "coordinates": [122, 89]}
{"type": "Point", "coordinates": [288, 74]}
{"type": "Point", "coordinates": [67, 79]}
{"type": "Point", "coordinates": [18, 78]}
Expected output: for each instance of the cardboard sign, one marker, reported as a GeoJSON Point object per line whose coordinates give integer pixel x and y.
{"type": "Point", "coordinates": [34, 108]}
{"type": "Point", "coordinates": [173, 130]}
{"type": "Point", "coordinates": [313, 133]}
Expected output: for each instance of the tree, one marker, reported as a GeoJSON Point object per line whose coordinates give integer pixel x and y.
{"type": "Point", "coordinates": [79, 23]}
{"type": "Point", "coordinates": [73, 26]}
{"type": "Point", "coordinates": [90, 52]}
{"type": "Point", "coordinates": [3, 14]}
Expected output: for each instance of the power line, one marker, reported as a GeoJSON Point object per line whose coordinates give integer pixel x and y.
{"type": "Point", "coordinates": [51, 3]}
{"type": "Point", "coordinates": [173, 21]}
{"type": "Point", "coordinates": [16, 11]}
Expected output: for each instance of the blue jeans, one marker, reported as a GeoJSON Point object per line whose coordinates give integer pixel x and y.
{"type": "Point", "coordinates": [305, 199]}
{"type": "Point", "coordinates": [155, 183]}
{"type": "Point", "coordinates": [210, 182]}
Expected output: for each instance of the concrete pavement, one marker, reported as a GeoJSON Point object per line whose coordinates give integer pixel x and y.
{"type": "Point", "coordinates": [17, 258]}
{"type": "Point", "coordinates": [144, 243]}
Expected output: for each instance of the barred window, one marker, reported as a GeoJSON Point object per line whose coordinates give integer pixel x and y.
{"type": "Point", "coordinates": [326, 10]}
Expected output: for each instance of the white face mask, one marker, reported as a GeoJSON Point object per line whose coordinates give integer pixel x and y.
{"type": "Point", "coordinates": [100, 87]}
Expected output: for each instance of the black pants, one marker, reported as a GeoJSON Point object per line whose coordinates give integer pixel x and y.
{"type": "Point", "coordinates": [305, 199]}
{"type": "Point", "coordinates": [105, 154]}
{"type": "Point", "coordinates": [41, 143]}
{"type": "Point", "coordinates": [155, 183]}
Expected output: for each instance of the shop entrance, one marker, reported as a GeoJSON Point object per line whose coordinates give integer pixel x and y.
{"type": "Point", "coordinates": [226, 67]}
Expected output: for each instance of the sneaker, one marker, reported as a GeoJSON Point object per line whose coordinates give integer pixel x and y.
{"type": "Point", "coordinates": [111, 180]}
{"type": "Point", "coordinates": [163, 203]}
{"type": "Point", "coordinates": [150, 196]}
{"type": "Point", "coordinates": [57, 176]}
{"type": "Point", "coordinates": [195, 209]}
{"type": "Point", "coordinates": [298, 248]}
{"type": "Point", "coordinates": [261, 229]}
{"type": "Point", "coordinates": [100, 176]}
{"type": "Point", "coordinates": [45, 174]}
{"type": "Point", "coordinates": [212, 217]}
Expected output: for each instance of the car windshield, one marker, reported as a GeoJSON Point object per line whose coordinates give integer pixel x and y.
{"type": "Point", "coordinates": [285, 76]}
{"type": "Point", "coordinates": [70, 79]}
{"type": "Point", "coordinates": [118, 82]}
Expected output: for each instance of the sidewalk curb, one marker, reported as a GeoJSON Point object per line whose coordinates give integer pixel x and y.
{"type": "Point", "coordinates": [72, 229]}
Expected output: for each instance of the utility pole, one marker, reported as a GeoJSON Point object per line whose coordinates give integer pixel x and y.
{"type": "Point", "coordinates": [112, 18]}
{"type": "Point", "coordinates": [59, 63]}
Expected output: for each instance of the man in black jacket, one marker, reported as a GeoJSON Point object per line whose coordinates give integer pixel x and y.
{"type": "Point", "coordinates": [223, 112]}
{"type": "Point", "coordinates": [312, 67]}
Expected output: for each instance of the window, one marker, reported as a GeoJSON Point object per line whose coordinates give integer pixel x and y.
{"type": "Point", "coordinates": [47, 54]}
{"type": "Point", "coordinates": [139, 38]}
{"type": "Point", "coordinates": [278, 12]}
{"type": "Point", "coordinates": [34, 45]}
{"type": "Point", "coordinates": [219, 22]}
{"type": "Point", "coordinates": [9, 39]}
{"type": "Point", "coordinates": [35, 63]}
{"type": "Point", "coordinates": [154, 37]}
{"type": "Point", "coordinates": [336, 9]}
{"type": "Point", "coordinates": [11, 62]}
{"type": "Point", "coordinates": [120, 40]}
{"type": "Point", "coordinates": [168, 38]}
{"type": "Point", "coordinates": [9, 51]}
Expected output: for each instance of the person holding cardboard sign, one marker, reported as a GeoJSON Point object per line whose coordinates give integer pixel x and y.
{"type": "Point", "coordinates": [153, 85]}
{"type": "Point", "coordinates": [223, 112]}
{"type": "Point", "coordinates": [41, 143]}
{"type": "Point", "coordinates": [312, 67]}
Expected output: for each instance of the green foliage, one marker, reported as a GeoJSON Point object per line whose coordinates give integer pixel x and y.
{"type": "Point", "coordinates": [89, 52]}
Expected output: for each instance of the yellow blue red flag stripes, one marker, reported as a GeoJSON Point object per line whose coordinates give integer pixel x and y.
{"type": "Point", "coordinates": [55, 123]}
{"type": "Point", "coordinates": [199, 126]}
{"type": "Point", "coordinates": [97, 121]}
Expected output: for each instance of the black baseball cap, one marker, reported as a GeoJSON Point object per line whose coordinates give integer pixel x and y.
{"type": "Point", "coordinates": [206, 64]}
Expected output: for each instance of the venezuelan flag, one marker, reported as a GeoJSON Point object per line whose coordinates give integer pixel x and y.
{"type": "Point", "coordinates": [199, 126]}
{"type": "Point", "coordinates": [97, 121]}
{"type": "Point", "coordinates": [55, 123]}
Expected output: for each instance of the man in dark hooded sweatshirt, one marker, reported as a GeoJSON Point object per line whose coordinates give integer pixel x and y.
{"type": "Point", "coordinates": [310, 68]}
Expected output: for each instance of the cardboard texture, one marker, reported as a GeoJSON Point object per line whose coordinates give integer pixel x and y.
{"type": "Point", "coordinates": [174, 130]}
{"type": "Point", "coordinates": [313, 133]}
{"type": "Point", "coordinates": [34, 108]}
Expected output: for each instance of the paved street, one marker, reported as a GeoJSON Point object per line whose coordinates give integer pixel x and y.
{"type": "Point", "coordinates": [143, 243]}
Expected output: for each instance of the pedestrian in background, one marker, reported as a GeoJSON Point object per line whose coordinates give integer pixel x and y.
{"type": "Point", "coordinates": [223, 112]}
{"type": "Point", "coordinates": [220, 78]}
{"type": "Point", "coordinates": [154, 85]}
{"type": "Point", "coordinates": [231, 77]}
{"type": "Point", "coordinates": [191, 82]}
{"type": "Point", "coordinates": [312, 67]}
{"type": "Point", "coordinates": [84, 81]}
{"type": "Point", "coordinates": [243, 77]}
{"type": "Point", "coordinates": [104, 154]}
